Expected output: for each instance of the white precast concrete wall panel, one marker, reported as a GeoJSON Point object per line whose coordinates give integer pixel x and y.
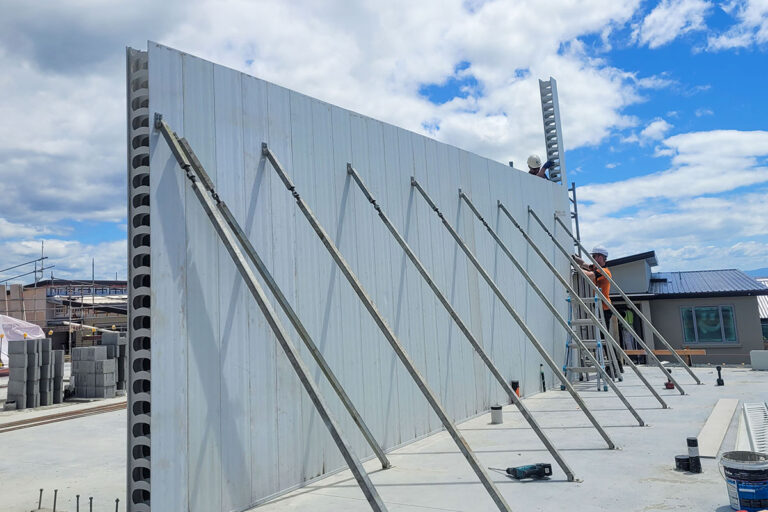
{"type": "Point", "coordinates": [231, 425]}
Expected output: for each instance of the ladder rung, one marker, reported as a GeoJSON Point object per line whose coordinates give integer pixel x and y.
{"type": "Point", "coordinates": [582, 321]}
{"type": "Point", "coordinates": [582, 369]}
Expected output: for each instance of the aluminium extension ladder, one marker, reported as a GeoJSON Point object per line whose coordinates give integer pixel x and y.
{"type": "Point", "coordinates": [575, 362]}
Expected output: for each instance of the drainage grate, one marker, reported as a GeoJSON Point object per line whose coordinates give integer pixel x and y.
{"type": "Point", "coordinates": [756, 419]}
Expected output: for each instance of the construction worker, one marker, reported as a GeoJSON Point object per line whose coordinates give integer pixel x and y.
{"type": "Point", "coordinates": [597, 274]}
{"type": "Point", "coordinates": [535, 167]}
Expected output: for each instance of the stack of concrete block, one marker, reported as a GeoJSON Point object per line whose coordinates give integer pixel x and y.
{"type": "Point", "coordinates": [17, 366]}
{"type": "Point", "coordinates": [46, 372]}
{"type": "Point", "coordinates": [117, 345]}
{"type": "Point", "coordinates": [58, 376]}
{"type": "Point", "coordinates": [33, 373]}
{"type": "Point", "coordinates": [93, 373]}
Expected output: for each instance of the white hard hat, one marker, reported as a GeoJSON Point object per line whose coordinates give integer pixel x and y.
{"type": "Point", "coordinates": [599, 249]}
{"type": "Point", "coordinates": [534, 161]}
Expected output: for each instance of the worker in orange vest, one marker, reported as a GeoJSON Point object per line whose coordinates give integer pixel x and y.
{"type": "Point", "coordinates": [597, 273]}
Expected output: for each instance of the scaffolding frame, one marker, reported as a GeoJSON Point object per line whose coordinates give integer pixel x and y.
{"type": "Point", "coordinates": [388, 333]}
{"type": "Point", "coordinates": [521, 323]}
{"type": "Point", "coordinates": [211, 204]}
{"type": "Point", "coordinates": [586, 308]}
{"type": "Point", "coordinates": [606, 301]}
{"type": "Point", "coordinates": [461, 325]}
{"type": "Point", "coordinates": [558, 316]}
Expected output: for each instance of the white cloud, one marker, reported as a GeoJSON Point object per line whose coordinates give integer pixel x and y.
{"type": "Point", "coordinates": [72, 258]}
{"type": "Point", "coordinates": [656, 130]}
{"type": "Point", "coordinates": [62, 142]}
{"type": "Point", "coordinates": [671, 19]}
{"type": "Point", "coordinates": [701, 112]}
{"type": "Point", "coordinates": [751, 26]}
{"type": "Point", "coordinates": [691, 213]}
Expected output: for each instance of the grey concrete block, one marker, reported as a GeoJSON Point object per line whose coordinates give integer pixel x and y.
{"type": "Point", "coordinates": [33, 346]}
{"type": "Point", "coordinates": [58, 357]}
{"type": "Point", "coordinates": [107, 366]}
{"type": "Point", "coordinates": [33, 386]}
{"type": "Point", "coordinates": [45, 345]}
{"type": "Point", "coordinates": [17, 347]}
{"type": "Point", "coordinates": [120, 392]}
{"type": "Point", "coordinates": [83, 367]}
{"type": "Point", "coordinates": [21, 400]}
{"type": "Point", "coordinates": [33, 359]}
{"type": "Point", "coordinates": [97, 353]}
{"type": "Point", "coordinates": [107, 379]}
{"type": "Point", "coordinates": [111, 351]}
{"type": "Point", "coordinates": [46, 399]}
{"type": "Point", "coordinates": [87, 379]}
{"type": "Point", "coordinates": [46, 371]}
{"type": "Point", "coordinates": [58, 371]}
{"type": "Point", "coordinates": [18, 374]}
{"type": "Point", "coordinates": [109, 338]}
{"type": "Point", "coordinates": [123, 339]}
{"type": "Point", "coordinates": [17, 387]}
{"type": "Point", "coordinates": [90, 392]}
{"type": "Point", "coordinates": [17, 360]}
{"type": "Point", "coordinates": [104, 392]}
{"type": "Point", "coordinates": [33, 373]}
{"type": "Point", "coordinates": [58, 396]}
{"type": "Point", "coordinates": [46, 357]}
{"type": "Point", "coordinates": [77, 353]}
{"type": "Point", "coordinates": [46, 385]}
{"type": "Point", "coordinates": [33, 400]}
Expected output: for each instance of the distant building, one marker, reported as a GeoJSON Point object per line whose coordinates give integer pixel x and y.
{"type": "Point", "coordinates": [762, 302]}
{"type": "Point", "coordinates": [52, 302]}
{"type": "Point", "coordinates": [716, 310]}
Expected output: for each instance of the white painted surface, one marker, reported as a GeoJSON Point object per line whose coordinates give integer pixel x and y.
{"type": "Point", "coordinates": [713, 432]}
{"type": "Point", "coordinates": [234, 425]}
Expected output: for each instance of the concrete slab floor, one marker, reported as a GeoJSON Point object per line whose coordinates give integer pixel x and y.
{"type": "Point", "coordinates": [86, 456]}
{"type": "Point", "coordinates": [431, 475]}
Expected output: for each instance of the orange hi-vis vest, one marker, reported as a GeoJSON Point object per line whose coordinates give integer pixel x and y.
{"type": "Point", "coordinates": [605, 285]}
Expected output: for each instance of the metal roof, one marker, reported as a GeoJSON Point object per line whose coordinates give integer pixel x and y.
{"type": "Point", "coordinates": [762, 300]}
{"type": "Point", "coordinates": [705, 283]}
{"type": "Point", "coordinates": [648, 255]}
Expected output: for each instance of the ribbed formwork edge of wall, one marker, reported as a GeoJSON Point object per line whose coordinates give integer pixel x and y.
{"type": "Point", "coordinates": [138, 456]}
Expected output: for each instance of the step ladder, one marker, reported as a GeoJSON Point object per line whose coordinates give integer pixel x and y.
{"type": "Point", "coordinates": [576, 363]}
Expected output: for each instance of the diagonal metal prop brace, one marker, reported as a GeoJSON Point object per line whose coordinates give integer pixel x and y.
{"type": "Point", "coordinates": [200, 185]}
{"type": "Point", "coordinates": [563, 322]}
{"type": "Point", "coordinates": [520, 322]}
{"type": "Point", "coordinates": [462, 326]}
{"type": "Point", "coordinates": [389, 334]}
{"type": "Point", "coordinates": [575, 295]}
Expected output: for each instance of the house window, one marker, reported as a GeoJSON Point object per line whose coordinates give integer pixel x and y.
{"type": "Point", "coordinates": [709, 324]}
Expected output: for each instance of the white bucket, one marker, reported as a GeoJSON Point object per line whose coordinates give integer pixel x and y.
{"type": "Point", "coordinates": [497, 415]}
{"type": "Point", "coordinates": [746, 476]}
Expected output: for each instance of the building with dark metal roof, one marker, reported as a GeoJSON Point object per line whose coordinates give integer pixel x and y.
{"type": "Point", "coordinates": [717, 310]}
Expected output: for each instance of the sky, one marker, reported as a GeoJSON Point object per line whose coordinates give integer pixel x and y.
{"type": "Point", "coordinates": [663, 106]}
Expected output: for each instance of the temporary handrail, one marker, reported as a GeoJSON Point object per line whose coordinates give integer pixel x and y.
{"type": "Point", "coordinates": [207, 196]}
{"type": "Point", "coordinates": [575, 295]}
{"type": "Point", "coordinates": [523, 326]}
{"type": "Point", "coordinates": [389, 334]}
{"type": "Point", "coordinates": [460, 323]}
{"type": "Point", "coordinates": [632, 305]}
{"type": "Point", "coordinates": [563, 322]}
